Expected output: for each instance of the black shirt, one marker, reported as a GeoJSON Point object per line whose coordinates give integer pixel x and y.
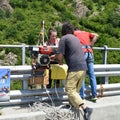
{"type": "Point", "coordinates": [71, 48]}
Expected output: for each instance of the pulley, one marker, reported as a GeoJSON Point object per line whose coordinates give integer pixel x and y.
{"type": "Point", "coordinates": [43, 59]}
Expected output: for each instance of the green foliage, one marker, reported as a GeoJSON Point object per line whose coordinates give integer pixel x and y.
{"type": "Point", "coordinates": [19, 15]}
{"type": "Point", "coordinates": [7, 13]}
{"type": "Point", "coordinates": [16, 85]}
{"type": "Point", "coordinates": [24, 24]}
{"type": "Point", "coordinates": [89, 4]}
{"type": "Point", "coordinates": [2, 15]}
{"type": "Point", "coordinates": [114, 19]}
{"type": "Point", "coordinates": [19, 3]}
{"type": "Point", "coordinates": [58, 5]}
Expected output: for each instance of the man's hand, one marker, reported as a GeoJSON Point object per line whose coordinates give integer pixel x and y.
{"type": "Point", "coordinates": [33, 66]}
{"type": "Point", "coordinates": [60, 59]}
{"type": "Point", "coordinates": [94, 39]}
{"type": "Point", "coordinates": [52, 57]}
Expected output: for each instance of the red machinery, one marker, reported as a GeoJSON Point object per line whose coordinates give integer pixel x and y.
{"type": "Point", "coordinates": [41, 55]}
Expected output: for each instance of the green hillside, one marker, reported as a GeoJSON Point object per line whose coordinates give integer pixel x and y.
{"type": "Point", "coordinates": [23, 25]}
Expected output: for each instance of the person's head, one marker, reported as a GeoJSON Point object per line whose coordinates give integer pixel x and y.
{"type": "Point", "coordinates": [67, 28]}
{"type": "Point", "coordinates": [52, 34]}
{"type": "Point", "coordinates": [76, 28]}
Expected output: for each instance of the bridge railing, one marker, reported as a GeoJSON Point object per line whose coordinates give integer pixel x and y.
{"type": "Point", "coordinates": [24, 72]}
{"type": "Point", "coordinates": [104, 49]}
{"type": "Point", "coordinates": [27, 95]}
{"type": "Point", "coordinates": [23, 47]}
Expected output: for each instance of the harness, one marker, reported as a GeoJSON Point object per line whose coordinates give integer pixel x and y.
{"type": "Point", "coordinates": [86, 46]}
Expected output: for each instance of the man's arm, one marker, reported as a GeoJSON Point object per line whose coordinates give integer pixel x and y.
{"type": "Point", "coordinates": [94, 39]}
{"type": "Point", "coordinates": [59, 57]}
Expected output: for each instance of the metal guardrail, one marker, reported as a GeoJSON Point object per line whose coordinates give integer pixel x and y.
{"type": "Point", "coordinates": [23, 72]}
{"type": "Point", "coordinates": [23, 47]}
{"type": "Point", "coordinates": [26, 95]}
{"type": "Point", "coordinates": [49, 95]}
{"type": "Point", "coordinates": [105, 50]}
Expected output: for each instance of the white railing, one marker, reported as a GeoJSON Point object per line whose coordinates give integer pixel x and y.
{"type": "Point", "coordinates": [26, 96]}
{"type": "Point", "coordinates": [24, 72]}
{"type": "Point", "coordinates": [104, 49]}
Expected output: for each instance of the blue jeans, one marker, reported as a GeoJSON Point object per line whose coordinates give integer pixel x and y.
{"type": "Point", "coordinates": [90, 64]}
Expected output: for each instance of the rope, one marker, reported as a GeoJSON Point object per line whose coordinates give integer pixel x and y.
{"type": "Point", "coordinates": [55, 84]}
{"type": "Point", "coordinates": [49, 95]}
{"type": "Point", "coordinates": [54, 113]}
{"type": "Point", "coordinates": [56, 91]}
{"type": "Point", "coordinates": [62, 112]}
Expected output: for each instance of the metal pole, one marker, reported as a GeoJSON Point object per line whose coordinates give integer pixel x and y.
{"type": "Point", "coordinates": [105, 79]}
{"type": "Point", "coordinates": [43, 23]}
{"type": "Point", "coordinates": [23, 54]}
{"type": "Point", "coordinates": [24, 82]}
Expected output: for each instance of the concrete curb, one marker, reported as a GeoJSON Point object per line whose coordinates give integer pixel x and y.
{"type": "Point", "coordinates": [106, 108]}
{"type": "Point", "coordinates": [24, 116]}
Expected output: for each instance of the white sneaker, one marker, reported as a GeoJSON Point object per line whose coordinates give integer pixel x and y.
{"type": "Point", "coordinates": [94, 99]}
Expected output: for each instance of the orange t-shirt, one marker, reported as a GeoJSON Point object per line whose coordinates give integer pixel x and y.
{"type": "Point", "coordinates": [84, 38]}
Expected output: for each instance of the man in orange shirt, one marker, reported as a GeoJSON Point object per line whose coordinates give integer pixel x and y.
{"type": "Point", "coordinates": [87, 40]}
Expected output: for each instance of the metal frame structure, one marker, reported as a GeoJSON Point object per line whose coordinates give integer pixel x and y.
{"type": "Point", "coordinates": [26, 95]}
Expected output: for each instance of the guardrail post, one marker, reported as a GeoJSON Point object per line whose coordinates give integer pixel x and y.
{"type": "Point", "coordinates": [105, 79]}
{"type": "Point", "coordinates": [24, 82]}
{"type": "Point", "coordinates": [23, 54]}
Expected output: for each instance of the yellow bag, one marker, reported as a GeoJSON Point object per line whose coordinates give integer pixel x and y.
{"type": "Point", "coordinates": [59, 72]}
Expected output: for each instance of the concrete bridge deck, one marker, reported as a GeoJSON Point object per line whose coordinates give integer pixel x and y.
{"type": "Point", "coordinates": [106, 108]}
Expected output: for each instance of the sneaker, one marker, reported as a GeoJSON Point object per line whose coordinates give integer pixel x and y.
{"type": "Point", "coordinates": [0, 111]}
{"type": "Point", "coordinates": [81, 114]}
{"type": "Point", "coordinates": [94, 99]}
{"type": "Point", "coordinates": [87, 113]}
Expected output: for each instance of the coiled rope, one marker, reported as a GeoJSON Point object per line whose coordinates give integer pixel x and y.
{"type": "Point", "coordinates": [53, 112]}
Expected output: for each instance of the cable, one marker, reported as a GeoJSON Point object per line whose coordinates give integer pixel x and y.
{"type": "Point", "coordinates": [49, 95]}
